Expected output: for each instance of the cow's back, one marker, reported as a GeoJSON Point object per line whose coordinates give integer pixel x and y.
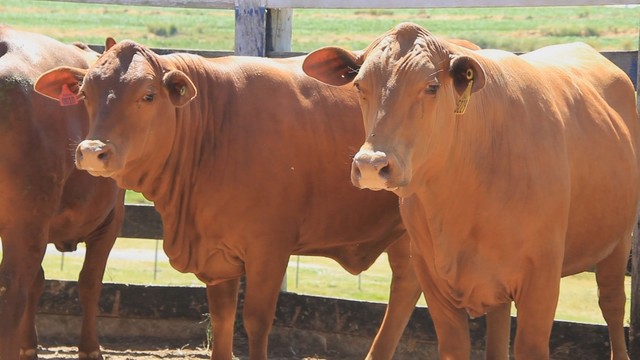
{"type": "Point", "coordinates": [587, 67]}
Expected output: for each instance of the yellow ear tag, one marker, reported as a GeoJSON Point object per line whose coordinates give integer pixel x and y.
{"type": "Point", "coordinates": [461, 106]}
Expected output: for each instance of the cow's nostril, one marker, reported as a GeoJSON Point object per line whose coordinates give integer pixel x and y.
{"type": "Point", "coordinates": [356, 171]}
{"type": "Point", "coordinates": [385, 172]}
{"type": "Point", "coordinates": [103, 156]}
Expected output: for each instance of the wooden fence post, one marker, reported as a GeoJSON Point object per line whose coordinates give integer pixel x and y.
{"type": "Point", "coordinates": [260, 30]}
{"type": "Point", "coordinates": [279, 30]}
{"type": "Point", "coordinates": [251, 16]}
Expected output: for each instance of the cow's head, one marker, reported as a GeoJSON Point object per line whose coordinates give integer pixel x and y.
{"type": "Point", "coordinates": [410, 84]}
{"type": "Point", "coordinates": [129, 95]}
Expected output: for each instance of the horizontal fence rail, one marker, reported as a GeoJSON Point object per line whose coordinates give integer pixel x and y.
{"type": "Point", "coordinates": [423, 4]}
{"type": "Point", "coordinates": [354, 4]}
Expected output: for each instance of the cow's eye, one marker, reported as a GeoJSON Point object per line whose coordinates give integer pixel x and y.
{"type": "Point", "coordinates": [148, 97]}
{"type": "Point", "coordinates": [432, 89]}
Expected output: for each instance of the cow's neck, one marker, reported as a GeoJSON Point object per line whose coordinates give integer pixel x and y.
{"type": "Point", "coordinates": [171, 184]}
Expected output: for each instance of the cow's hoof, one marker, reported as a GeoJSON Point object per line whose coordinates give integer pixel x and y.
{"type": "Point", "coordinates": [94, 355]}
{"type": "Point", "coordinates": [28, 354]}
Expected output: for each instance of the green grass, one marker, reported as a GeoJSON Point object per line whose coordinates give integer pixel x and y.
{"type": "Point", "coordinates": [90, 23]}
{"type": "Point", "coordinates": [132, 263]}
{"type": "Point", "coordinates": [132, 197]}
{"type": "Point", "coordinates": [516, 29]}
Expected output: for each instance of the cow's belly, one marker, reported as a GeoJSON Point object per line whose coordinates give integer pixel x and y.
{"type": "Point", "coordinates": [214, 268]}
{"type": "Point", "coordinates": [588, 244]}
{"type": "Point", "coordinates": [476, 291]}
{"type": "Point", "coordinates": [598, 222]}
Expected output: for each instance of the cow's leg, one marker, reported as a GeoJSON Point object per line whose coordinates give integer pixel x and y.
{"type": "Point", "coordinates": [28, 334]}
{"type": "Point", "coordinates": [498, 333]}
{"type": "Point", "coordinates": [264, 274]}
{"type": "Point", "coordinates": [23, 250]}
{"type": "Point", "coordinates": [223, 302]}
{"type": "Point", "coordinates": [90, 285]}
{"type": "Point", "coordinates": [404, 294]}
{"type": "Point", "coordinates": [452, 324]}
{"type": "Point", "coordinates": [536, 302]}
{"type": "Point", "coordinates": [610, 275]}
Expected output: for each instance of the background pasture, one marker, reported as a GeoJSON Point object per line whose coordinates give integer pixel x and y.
{"type": "Point", "coordinates": [516, 29]}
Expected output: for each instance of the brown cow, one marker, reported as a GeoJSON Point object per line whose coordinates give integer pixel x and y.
{"type": "Point", "coordinates": [251, 170]}
{"type": "Point", "coordinates": [512, 171]}
{"type": "Point", "coordinates": [44, 198]}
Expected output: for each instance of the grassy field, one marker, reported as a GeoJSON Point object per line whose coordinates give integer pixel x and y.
{"type": "Point", "coordinates": [516, 29]}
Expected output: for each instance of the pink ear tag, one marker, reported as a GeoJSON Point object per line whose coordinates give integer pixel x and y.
{"type": "Point", "coordinates": [67, 98]}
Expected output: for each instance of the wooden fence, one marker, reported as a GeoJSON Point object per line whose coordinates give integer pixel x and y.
{"type": "Point", "coordinates": [264, 28]}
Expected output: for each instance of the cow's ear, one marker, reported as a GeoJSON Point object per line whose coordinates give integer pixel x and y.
{"type": "Point", "coordinates": [60, 82]}
{"type": "Point", "coordinates": [108, 43]}
{"type": "Point", "coordinates": [180, 87]}
{"type": "Point", "coordinates": [332, 65]}
{"type": "Point", "coordinates": [466, 71]}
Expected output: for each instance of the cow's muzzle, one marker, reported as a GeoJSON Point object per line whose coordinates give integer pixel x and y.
{"type": "Point", "coordinates": [94, 156]}
{"type": "Point", "coordinates": [371, 170]}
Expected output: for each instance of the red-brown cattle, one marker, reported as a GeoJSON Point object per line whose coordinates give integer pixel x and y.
{"type": "Point", "coordinates": [45, 199]}
{"type": "Point", "coordinates": [512, 171]}
{"type": "Point", "coordinates": [246, 160]}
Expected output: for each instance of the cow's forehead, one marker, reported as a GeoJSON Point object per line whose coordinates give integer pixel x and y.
{"type": "Point", "coordinates": [401, 54]}
{"type": "Point", "coordinates": [126, 63]}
